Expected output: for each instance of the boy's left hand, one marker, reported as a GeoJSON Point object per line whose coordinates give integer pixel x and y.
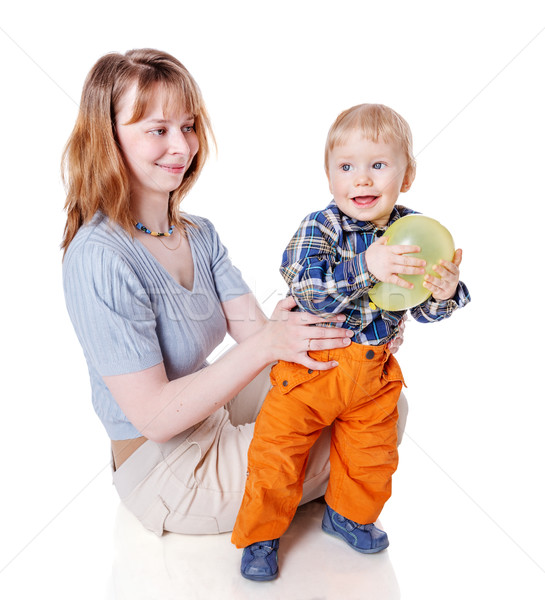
{"type": "Point", "coordinates": [444, 286]}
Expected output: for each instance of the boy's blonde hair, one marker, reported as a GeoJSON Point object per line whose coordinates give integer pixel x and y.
{"type": "Point", "coordinates": [374, 121]}
{"type": "Point", "coordinates": [94, 170]}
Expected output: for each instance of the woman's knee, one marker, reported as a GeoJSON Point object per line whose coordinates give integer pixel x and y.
{"type": "Point", "coordinates": [245, 406]}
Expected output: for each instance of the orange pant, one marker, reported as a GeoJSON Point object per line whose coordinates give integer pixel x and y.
{"type": "Point", "coordinates": [359, 397]}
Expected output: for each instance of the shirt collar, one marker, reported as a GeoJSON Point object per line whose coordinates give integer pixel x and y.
{"type": "Point", "coordinates": [350, 224]}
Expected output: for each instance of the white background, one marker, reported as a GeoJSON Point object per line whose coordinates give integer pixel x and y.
{"type": "Point", "coordinates": [466, 518]}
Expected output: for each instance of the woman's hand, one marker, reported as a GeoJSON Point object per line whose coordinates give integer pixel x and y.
{"type": "Point", "coordinates": [291, 335]}
{"type": "Point", "coordinates": [395, 344]}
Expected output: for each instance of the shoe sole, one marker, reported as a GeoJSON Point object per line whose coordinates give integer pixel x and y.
{"type": "Point", "coordinates": [259, 577]}
{"type": "Point", "coordinates": [336, 534]}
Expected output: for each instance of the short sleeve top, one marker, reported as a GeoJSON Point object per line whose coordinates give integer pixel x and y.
{"type": "Point", "coordinates": [130, 314]}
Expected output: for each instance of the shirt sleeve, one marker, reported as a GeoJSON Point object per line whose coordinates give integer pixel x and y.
{"type": "Point", "coordinates": [228, 280]}
{"type": "Point", "coordinates": [111, 312]}
{"type": "Point", "coordinates": [319, 282]}
{"type": "Point", "coordinates": [436, 310]}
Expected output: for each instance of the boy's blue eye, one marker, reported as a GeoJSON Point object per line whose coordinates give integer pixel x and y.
{"type": "Point", "coordinates": [346, 167]}
{"type": "Point", "coordinates": [158, 131]}
{"type": "Point", "coordinates": [379, 165]}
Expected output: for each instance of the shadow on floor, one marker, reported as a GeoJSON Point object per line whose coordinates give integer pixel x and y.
{"type": "Point", "coordinates": [313, 565]}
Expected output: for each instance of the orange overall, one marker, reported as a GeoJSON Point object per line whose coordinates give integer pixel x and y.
{"type": "Point", "coordinates": [359, 398]}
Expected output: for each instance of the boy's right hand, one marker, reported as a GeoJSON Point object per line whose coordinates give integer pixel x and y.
{"type": "Point", "coordinates": [387, 262]}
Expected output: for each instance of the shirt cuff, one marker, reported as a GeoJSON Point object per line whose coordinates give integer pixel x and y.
{"type": "Point", "coordinates": [447, 307]}
{"type": "Point", "coordinates": [352, 275]}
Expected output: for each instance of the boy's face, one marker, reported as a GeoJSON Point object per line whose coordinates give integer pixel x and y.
{"type": "Point", "coordinates": [366, 177]}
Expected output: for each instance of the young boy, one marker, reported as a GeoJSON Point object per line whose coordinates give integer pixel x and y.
{"type": "Point", "coordinates": [334, 259]}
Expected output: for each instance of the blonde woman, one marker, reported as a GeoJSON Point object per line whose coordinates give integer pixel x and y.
{"type": "Point", "coordinates": [151, 292]}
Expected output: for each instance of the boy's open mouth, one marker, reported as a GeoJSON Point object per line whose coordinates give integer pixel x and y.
{"type": "Point", "coordinates": [363, 201]}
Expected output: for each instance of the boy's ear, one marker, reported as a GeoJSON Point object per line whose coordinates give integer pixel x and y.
{"type": "Point", "coordinates": [408, 179]}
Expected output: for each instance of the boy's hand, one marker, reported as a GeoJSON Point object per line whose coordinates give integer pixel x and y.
{"type": "Point", "coordinates": [444, 286]}
{"type": "Point", "coordinates": [386, 262]}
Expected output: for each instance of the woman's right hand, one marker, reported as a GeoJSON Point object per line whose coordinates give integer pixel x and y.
{"type": "Point", "coordinates": [291, 335]}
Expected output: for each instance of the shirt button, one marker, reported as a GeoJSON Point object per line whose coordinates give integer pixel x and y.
{"type": "Point", "coordinates": [285, 383]}
{"type": "Point", "coordinates": [370, 354]}
{"type": "Point", "coordinates": [379, 233]}
{"type": "Point", "coordinates": [351, 279]}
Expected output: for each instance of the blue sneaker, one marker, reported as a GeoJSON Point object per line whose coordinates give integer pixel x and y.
{"type": "Point", "coordinates": [260, 561]}
{"type": "Point", "coordinates": [363, 538]}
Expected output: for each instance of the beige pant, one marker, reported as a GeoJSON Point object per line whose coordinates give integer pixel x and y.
{"type": "Point", "coordinates": [194, 483]}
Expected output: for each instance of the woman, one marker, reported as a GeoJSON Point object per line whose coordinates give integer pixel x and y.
{"type": "Point", "coordinates": [151, 292]}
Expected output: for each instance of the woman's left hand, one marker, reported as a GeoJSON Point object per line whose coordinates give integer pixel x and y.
{"type": "Point", "coordinates": [396, 343]}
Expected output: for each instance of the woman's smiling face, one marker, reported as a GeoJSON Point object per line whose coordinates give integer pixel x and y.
{"type": "Point", "coordinates": [158, 148]}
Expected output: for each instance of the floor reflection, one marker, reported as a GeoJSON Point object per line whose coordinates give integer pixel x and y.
{"type": "Point", "coordinates": [313, 565]}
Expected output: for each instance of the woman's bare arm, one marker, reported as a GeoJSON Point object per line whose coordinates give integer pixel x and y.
{"type": "Point", "coordinates": [160, 409]}
{"type": "Point", "coordinates": [244, 317]}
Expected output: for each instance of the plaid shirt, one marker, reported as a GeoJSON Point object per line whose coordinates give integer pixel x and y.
{"type": "Point", "coordinates": [324, 265]}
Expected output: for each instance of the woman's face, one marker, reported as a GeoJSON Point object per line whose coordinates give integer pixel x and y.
{"type": "Point", "coordinates": [158, 149]}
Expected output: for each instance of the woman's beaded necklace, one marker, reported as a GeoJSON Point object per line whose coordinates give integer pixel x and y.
{"type": "Point", "coordinates": [154, 233]}
{"type": "Point", "coordinates": [160, 234]}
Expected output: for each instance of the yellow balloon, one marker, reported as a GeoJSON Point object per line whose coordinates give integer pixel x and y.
{"type": "Point", "coordinates": [435, 243]}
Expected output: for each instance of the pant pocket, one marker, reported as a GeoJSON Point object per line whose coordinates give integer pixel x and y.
{"type": "Point", "coordinates": [391, 371]}
{"type": "Point", "coordinates": [155, 516]}
{"type": "Point", "coordinates": [286, 376]}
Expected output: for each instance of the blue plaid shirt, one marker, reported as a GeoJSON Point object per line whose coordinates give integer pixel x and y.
{"type": "Point", "coordinates": [324, 265]}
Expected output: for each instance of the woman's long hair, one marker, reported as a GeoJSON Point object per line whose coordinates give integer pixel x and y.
{"type": "Point", "coordinates": [93, 168]}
